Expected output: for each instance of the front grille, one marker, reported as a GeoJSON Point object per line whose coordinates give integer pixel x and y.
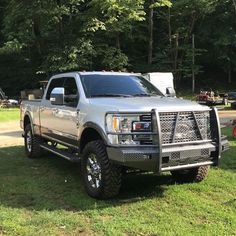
{"type": "Point", "coordinates": [204, 152]}
{"type": "Point", "coordinates": [177, 127]}
{"type": "Point", "coordinates": [175, 156]}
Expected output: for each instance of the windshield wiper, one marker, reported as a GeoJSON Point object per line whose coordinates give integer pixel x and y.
{"type": "Point", "coordinates": [110, 95]}
{"type": "Point", "coordinates": [141, 95]}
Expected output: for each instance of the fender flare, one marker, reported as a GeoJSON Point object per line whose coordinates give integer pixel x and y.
{"type": "Point", "coordinates": [27, 114]}
{"type": "Point", "coordinates": [97, 128]}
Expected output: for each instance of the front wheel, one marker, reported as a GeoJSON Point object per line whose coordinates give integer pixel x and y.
{"type": "Point", "coordinates": [32, 143]}
{"type": "Point", "coordinates": [190, 175]}
{"type": "Point", "coordinates": [102, 179]}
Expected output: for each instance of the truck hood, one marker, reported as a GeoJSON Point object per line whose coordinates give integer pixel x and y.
{"type": "Point", "coordinates": [145, 104]}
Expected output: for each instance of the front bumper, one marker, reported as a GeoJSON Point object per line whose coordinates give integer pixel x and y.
{"type": "Point", "coordinates": [166, 157]}
{"type": "Point", "coordinates": [172, 157]}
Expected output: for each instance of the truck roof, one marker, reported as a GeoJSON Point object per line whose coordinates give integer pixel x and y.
{"type": "Point", "coordinates": [93, 73]}
{"type": "Point", "coordinates": [105, 73]}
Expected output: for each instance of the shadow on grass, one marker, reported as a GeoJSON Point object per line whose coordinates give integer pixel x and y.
{"type": "Point", "coordinates": [228, 161]}
{"type": "Point", "coordinates": [14, 134]}
{"type": "Point", "coordinates": [53, 183]}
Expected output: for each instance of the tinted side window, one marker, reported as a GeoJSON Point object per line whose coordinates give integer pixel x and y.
{"type": "Point", "coordinates": [71, 92]}
{"type": "Point", "coordinates": [54, 84]}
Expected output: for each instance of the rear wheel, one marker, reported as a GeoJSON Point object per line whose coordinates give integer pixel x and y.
{"type": "Point", "coordinates": [101, 178]}
{"type": "Point", "coordinates": [32, 143]}
{"type": "Point", "coordinates": [190, 175]}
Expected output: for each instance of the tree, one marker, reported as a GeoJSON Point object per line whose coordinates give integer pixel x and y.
{"type": "Point", "coordinates": [152, 5]}
{"type": "Point", "coordinates": [40, 37]}
{"type": "Point", "coordinates": [222, 38]}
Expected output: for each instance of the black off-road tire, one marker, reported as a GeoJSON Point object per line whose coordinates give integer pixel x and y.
{"type": "Point", "coordinates": [191, 175]}
{"type": "Point", "coordinates": [35, 151]}
{"type": "Point", "coordinates": [111, 175]}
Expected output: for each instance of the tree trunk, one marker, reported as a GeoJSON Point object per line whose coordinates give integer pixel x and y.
{"type": "Point", "coordinates": [234, 2]}
{"type": "Point", "coordinates": [229, 76]}
{"type": "Point", "coordinates": [176, 52]}
{"type": "Point", "coordinates": [37, 35]}
{"type": "Point", "coordinates": [150, 28]}
{"type": "Point", "coordinates": [118, 40]}
{"type": "Point", "coordinates": [169, 28]}
{"type": "Point", "coordinates": [60, 26]}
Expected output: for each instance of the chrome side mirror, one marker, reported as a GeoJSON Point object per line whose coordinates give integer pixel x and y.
{"type": "Point", "coordinates": [57, 96]}
{"type": "Point", "coordinates": [170, 92]}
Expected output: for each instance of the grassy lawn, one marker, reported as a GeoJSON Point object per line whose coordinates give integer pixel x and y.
{"type": "Point", "coordinates": [46, 197]}
{"type": "Point", "coordinates": [9, 114]}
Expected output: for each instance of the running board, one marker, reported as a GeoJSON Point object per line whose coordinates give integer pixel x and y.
{"type": "Point", "coordinates": [68, 156]}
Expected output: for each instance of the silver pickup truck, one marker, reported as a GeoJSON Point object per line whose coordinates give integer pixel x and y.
{"type": "Point", "coordinates": [112, 122]}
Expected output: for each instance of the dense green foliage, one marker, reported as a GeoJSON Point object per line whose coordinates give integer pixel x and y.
{"type": "Point", "coordinates": [41, 37]}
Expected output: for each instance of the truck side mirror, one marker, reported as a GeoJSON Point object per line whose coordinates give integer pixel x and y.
{"type": "Point", "coordinates": [57, 96]}
{"type": "Point", "coordinates": [170, 92]}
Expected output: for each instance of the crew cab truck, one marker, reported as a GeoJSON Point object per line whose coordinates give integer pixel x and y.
{"type": "Point", "coordinates": [111, 122]}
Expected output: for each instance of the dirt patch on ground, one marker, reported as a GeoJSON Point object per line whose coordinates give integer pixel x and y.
{"type": "Point", "coordinates": [226, 117]}
{"type": "Point", "coordinates": [10, 134]}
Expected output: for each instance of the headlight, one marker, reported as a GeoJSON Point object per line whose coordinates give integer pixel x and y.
{"type": "Point", "coordinates": [122, 129]}
{"type": "Point", "coordinates": [120, 123]}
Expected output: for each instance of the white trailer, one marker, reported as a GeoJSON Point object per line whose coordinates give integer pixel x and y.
{"type": "Point", "coordinates": [164, 81]}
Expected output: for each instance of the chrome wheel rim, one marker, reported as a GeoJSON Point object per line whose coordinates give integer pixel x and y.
{"type": "Point", "coordinates": [29, 141]}
{"type": "Point", "coordinates": [94, 173]}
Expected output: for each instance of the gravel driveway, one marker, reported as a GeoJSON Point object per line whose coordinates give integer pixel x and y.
{"type": "Point", "coordinates": [10, 134]}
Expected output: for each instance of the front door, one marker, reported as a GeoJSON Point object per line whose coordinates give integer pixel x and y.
{"type": "Point", "coordinates": [60, 122]}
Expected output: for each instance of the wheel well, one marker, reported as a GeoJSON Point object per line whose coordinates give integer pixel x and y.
{"type": "Point", "coordinates": [88, 135]}
{"type": "Point", "coordinates": [26, 121]}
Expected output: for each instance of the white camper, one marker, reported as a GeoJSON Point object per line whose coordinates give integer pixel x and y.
{"type": "Point", "coordinates": [164, 81]}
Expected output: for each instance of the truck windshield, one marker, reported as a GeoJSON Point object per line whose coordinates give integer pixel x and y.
{"type": "Point", "coordinates": [96, 85]}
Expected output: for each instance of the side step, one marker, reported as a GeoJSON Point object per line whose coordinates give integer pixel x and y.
{"type": "Point", "coordinates": [61, 153]}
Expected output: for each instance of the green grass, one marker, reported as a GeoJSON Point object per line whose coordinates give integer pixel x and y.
{"type": "Point", "coordinates": [46, 197]}
{"type": "Point", "coordinates": [187, 95]}
{"type": "Point", "coordinates": [9, 114]}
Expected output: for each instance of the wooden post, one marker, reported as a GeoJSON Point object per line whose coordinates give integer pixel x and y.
{"type": "Point", "coordinates": [150, 28]}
